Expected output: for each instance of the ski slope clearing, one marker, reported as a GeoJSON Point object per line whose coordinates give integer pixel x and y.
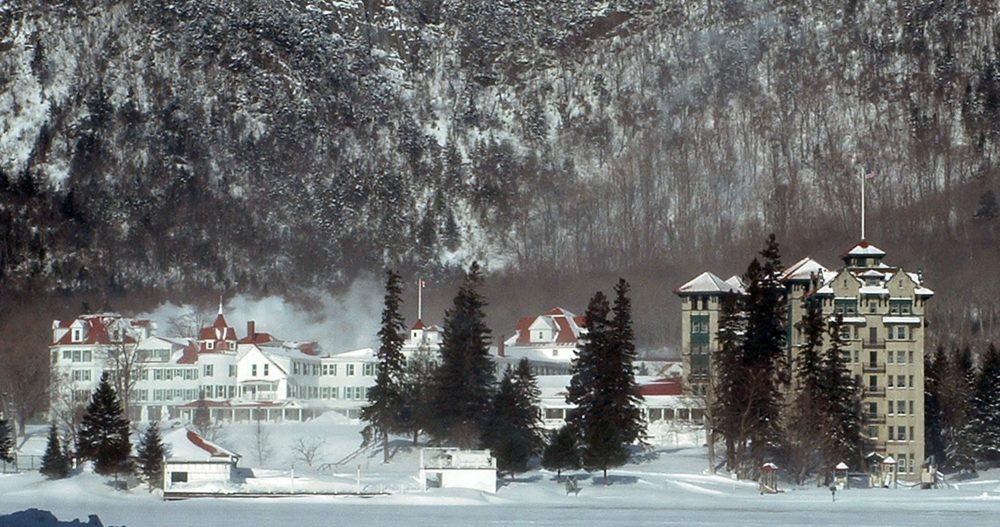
{"type": "Point", "coordinates": [667, 487]}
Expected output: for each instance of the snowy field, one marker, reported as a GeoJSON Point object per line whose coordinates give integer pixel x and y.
{"type": "Point", "coordinates": [667, 487]}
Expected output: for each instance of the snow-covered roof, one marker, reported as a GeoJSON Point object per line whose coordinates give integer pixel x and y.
{"type": "Point", "coordinates": [873, 290]}
{"type": "Point", "coordinates": [706, 283]}
{"type": "Point", "coordinates": [186, 445]}
{"type": "Point", "coordinates": [900, 320]}
{"type": "Point", "coordinates": [804, 269]}
{"type": "Point", "coordinates": [364, 353]}
{"type": "Point", "coordinates": [865, 249]}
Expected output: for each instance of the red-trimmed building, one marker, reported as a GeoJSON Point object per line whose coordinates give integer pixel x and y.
{"type": "Point", "coordinates": [549, 341]}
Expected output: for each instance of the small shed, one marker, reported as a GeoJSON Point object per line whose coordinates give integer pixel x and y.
{"type": "Point", "coordinates": [194, 462]}
{"type": "Point", "coordinates": [457, 468]}
{"type": "Point", "coordinates": [889, 472]}
{"type": "Point", "coordinates": [840, 475]}
{"type": "Point", "coordinates": [769, 479]}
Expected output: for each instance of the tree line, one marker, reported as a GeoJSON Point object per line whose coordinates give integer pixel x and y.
{"type": "Point", "coordinates": [455, 398]}
{"type": "Point", "coordinates": [104, 438]}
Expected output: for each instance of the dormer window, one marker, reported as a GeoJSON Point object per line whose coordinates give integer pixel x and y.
{"type": "Point", "coordinates": [77, 334]}
{"type": "Point", "coordinates": [210, 345]}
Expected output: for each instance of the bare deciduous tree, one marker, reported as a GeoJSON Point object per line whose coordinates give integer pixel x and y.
{"type": "Point", "coordinates": [309, 450]}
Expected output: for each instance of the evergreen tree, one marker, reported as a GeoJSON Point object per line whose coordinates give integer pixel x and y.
{"type": "Point", "coordinates": [562, 452]}
{"type": "Point", "coordinates": [463, 383]}
{"type": "Point", "coordinates": [6, 442]}
{"type": "Point", "coordinates": [416, 414]}
{"type": "Point", "coordinates": [513, 431]}
{"type": "Point", "coordinates": [750, 397]}
{"type": "Point", "coordinates": [934, 372]}
{"type": "Point", "coordinates": [984, 422]}
{"type": "Point", "coordinates": [104, 431]}
{"type": "Point", "coordinates": [603, 385]}
{"type": "Point", "coordinates": [386, 398]}
{"type": "Point", "coordinates": [55, 464]}
{"type": "Point", "coordinates": [808, 419]}
{"type": "Point", "coordinates": [150, 456]}
{"type": "Point", "coordinates": [842, 405]}
{"type": "Point", "coordinates": [958, 440]}
{"type": "Point", "coordinates": [727, 393]}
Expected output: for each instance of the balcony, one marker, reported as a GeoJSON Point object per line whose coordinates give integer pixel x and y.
{"type": "Point", "coordinates": [873, 344]}
{"type": "Point", "coordinates": [874, 419]}
{"type": "Point", "coordinates": [874, 444]}
{"type": "Point", "coordinates": [872, 367]}
{"type": "Point", "coordinates": [874, 391]}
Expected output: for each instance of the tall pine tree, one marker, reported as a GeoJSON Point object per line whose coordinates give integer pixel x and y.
{"type": "Point", "coordinates": [753, 373]}
{"type": "Point", "coordinates": [603, 386]}
{"type": "Point", "coordinates": [934, 373]}
{"type": "Point", "coordinates": [55, 464]}
{"type": "Point", "coordinates": [386, 399]}
{"type": "Point", "coordinates": [984, 422]}
{"type": "Point", "coordinates": [842, 405]}
{"type": "Point", "coordinates": [808, 420]}
{"type": "Point", "coordinates": [727, 394]}
{"type": "Point", "coordinates": [463, 383]}
{"type": "Point", "coordinates": [150, 456]}
{"type": "Point", "coordinates": [513, 431]}
{"type": "Point", "coordinates": [958, 436]}
{"type": "Point", "coordinates": [104, 432]}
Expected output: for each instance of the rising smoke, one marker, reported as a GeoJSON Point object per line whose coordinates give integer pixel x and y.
{"type": "Point", "coordinates": [338, 322]}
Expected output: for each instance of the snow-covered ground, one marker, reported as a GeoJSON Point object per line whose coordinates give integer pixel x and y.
{"type": "Point", "coordinates": [668, 487]}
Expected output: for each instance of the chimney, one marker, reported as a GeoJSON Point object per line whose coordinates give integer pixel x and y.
{"type": "Point", "coordinates": [250, 330]}
{"type": "Point", "coordinates": [501, 352]}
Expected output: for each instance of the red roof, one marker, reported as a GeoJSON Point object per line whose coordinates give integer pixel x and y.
{"type": "Point", "coordinates": [95, 329]}
{"type": "Point", "coordinates": [661, 387]}
{"type": "Point", "coordinates": [190, 355]}
{"type": "Point", "coordinates": [523, 335]}
{"type": "Point", "coordinates": [219, 330]}
{"type": "Point", "coordinates": [419, 324]}
{"type": "Point", "coordinates": [566, 335]}
{"type": "Point", "coordinates": [212, 449]}
{"type": "Point", "coordinates": [256, 338]}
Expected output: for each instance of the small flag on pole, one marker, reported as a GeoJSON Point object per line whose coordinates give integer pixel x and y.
{"type": "Point", "coordinates": [870, 173]}
{"type": "Point", "coordinates": [423, 283]}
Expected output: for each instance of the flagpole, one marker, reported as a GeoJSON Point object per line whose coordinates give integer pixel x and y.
{"type": "Point", "coordinates": [862, 203]}
{"type": "Point", "coordinates": [420, 298]}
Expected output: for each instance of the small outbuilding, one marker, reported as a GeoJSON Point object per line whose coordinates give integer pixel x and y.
{"type": "Point", "coordinates": [195, 463]}
{"type": "Point", "coordinates": [840, 476]}
{"type": "Point", "coordinates": [769, 479]}
{"type": "Point", "coordinates": [456, 468]}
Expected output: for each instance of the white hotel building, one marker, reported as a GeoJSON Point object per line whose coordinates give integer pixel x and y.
{"type": "Point", "coordinates": [240, 379]}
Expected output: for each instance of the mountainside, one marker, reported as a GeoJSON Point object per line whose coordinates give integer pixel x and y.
{"type": "Point", "coordinates": [179, 145]}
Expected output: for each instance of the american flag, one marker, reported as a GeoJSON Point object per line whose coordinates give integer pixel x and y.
{"type": "Point", "coordinates": [870, 173]}
{"type": "Point", "coordinates": [423, 283]}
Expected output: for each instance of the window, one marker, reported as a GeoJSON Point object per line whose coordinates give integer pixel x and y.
{"type": "Point", "coordinates": [77, 335]}
{"type": "Point", "coordinates": [369, 369]}
{"type": "Point", "coordinates": [350, 370]}
{"type": "Point", "coordinates": [872, 408]}
{"type": "Point", "coordinates": [232, 370]}
{"type": "Point", "coordinates": [901, 433]}
{"type": "Point", "coordinates": [911, 381]}
{"type": "Point", "coordinates": [901, 381]}
{"type": "Point", "coordinates": [911, 413]}
{"type": "Point", "coordinates": [208, 371]}
{"type": "Point", "coordinates": [909, 356]}
{"type": "Point", "coordinates": [845, 306]}
{"type": "Point", "coordinates": [901, 332]}
{"type": "Point", "coordinates": [553, 413]}
{"type": "Point", "coordinates": [178, 477]}
{"type": "Point", "coordinates": [891, 406]}
{"type": "Point", "coordinates": [539, 335]}
{"type": "Point", "coordinates": [265, 369]}
{"type": "Point", "coordinates": [900, 307]}
{"type": "Point", "coordinates": [873, 432]}
{"type": "Point", "coordinates": [210, 345]}
{"type": "Point", "coordinates": [81, 375]}
{"type": "Point", "coordinates": [253, 370]}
